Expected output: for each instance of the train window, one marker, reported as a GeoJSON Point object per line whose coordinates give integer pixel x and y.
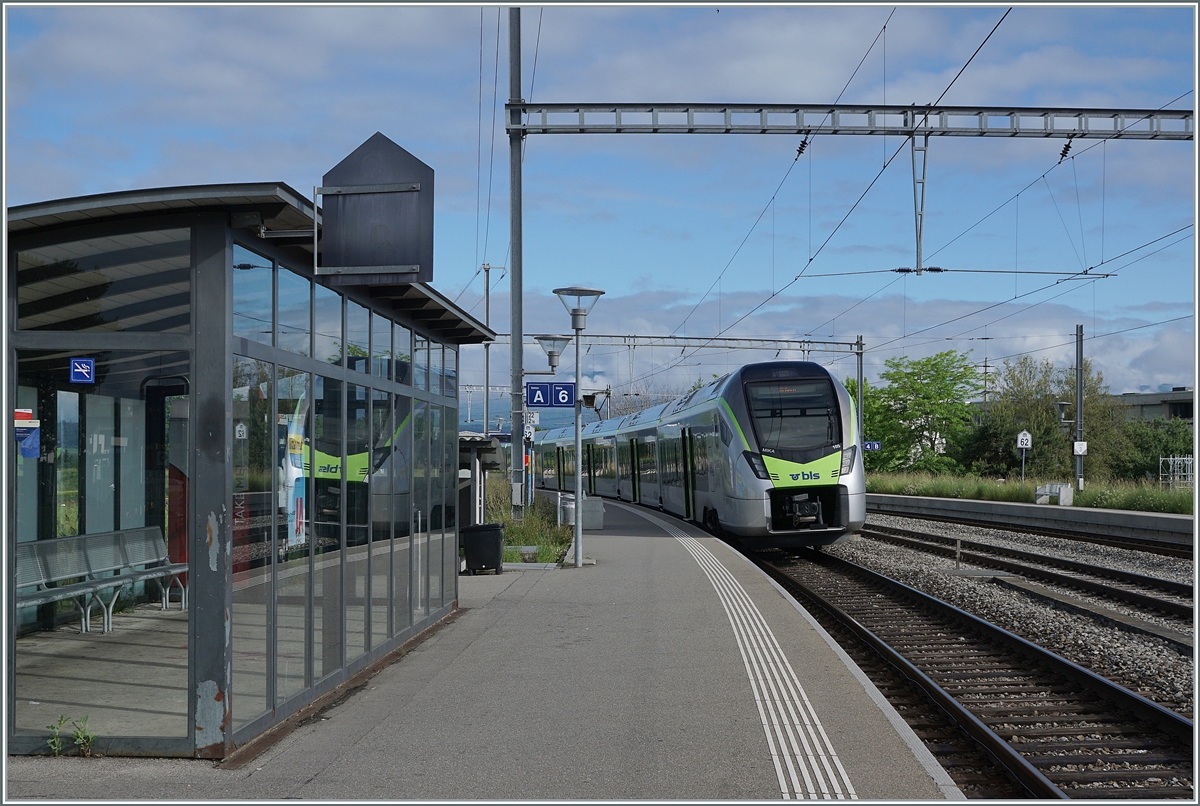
{"type": "Point", "coordinates": [795, 419]}
{"type": "Point", "coordinates": [726, 433]}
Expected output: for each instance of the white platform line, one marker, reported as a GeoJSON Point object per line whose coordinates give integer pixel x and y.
{"type": "Point", "coordinates": [795, 736]}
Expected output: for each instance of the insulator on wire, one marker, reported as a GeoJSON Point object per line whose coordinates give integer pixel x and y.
{"type": "Point", "coordinates": [1065, 150]}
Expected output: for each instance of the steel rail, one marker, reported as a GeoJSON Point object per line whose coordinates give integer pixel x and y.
{"type": "Point", "coordinates": [1164, 547]}
{"type": "Point", "coordinates": [1017, 765]}
{"type": "Point", "coordinates": [1131, 597]}
{"type": "Point", "coordinates": [1167, 720]}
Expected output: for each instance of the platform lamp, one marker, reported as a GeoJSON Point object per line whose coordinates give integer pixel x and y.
{"type": "Point", "coordinates": [579, 302]}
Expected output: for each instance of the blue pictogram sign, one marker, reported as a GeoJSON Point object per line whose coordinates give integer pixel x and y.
{"type": "Point", "coordinates": [83, 370]}
{"type": "Point", "coordinates": [537, 394]}
{"type": "Point", "coordinates": [562, 394]}
{"type": "Point", "coordinates": [872, 446]}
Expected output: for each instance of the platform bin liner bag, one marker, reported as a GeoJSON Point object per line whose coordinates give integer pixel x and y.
{"type": "Point", "coordinates": [484, 546]}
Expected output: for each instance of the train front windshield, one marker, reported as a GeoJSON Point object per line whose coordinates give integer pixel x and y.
{"type": "Point", "coordinates": [796, 420]}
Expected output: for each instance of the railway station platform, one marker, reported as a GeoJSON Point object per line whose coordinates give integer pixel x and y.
{"type": "Point", "coordinates": [670, 669]}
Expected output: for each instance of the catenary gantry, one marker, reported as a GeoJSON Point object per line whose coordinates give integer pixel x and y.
{"type": "Point", "coordinates": [806, 120]}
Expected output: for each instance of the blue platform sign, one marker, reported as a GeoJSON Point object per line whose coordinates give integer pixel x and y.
{"type": "Point", "coordinates": [872, 446]}
{"type": "Point", "coordinates": [537, 394]}
{"type": "Point", "coordinates": [562, 394]}
{"type": "Point", "coordinates": [83, 370]}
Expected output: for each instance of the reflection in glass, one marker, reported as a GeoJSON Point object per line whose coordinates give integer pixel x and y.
{"type": "Point", "coordinates": [327, 318]}
{"type": "Point", "coordinates": [358, 447]}
{"type": "Point", "coordinates": [381, 346]}
{"type": "Point", "coordinates": [252, 301]}
{"type": "Point", "coordinates": [450, 372]}
{"type": "Point", "coordinates": [402, 507]}
{"type": "Point", "coordinates": [292, 612]}
{"type": "Point", "coordinates": [402, 349]}
{"type": "Point", "coordinates": [253, 524]}
{"type": "Point", "coordinates": [358, 336]}
{"type": "Point", "coordinates": [327, 460]}
{"type": "Point", "coordinates": [420, 508]}
{"type": "Point", "coordinates": [450, 530]}
{"type": "Point", "coordinates": [435, 368]}
{"type": "Point", "coordinates": [437, 514]}
{"type": "Point", "coordinates": [420, 362]}
{"type": "Point", "coordinates": [295, 308]}
{"type": "Point", "coordinates": [139, 281]}
{"type": "Point", "coordinates": [383, 430]}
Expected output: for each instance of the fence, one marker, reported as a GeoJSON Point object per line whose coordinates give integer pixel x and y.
{"type": "Point", "coordinates": [1175, 472]}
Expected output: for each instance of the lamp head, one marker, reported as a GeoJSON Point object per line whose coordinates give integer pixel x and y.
{"type": "Point", "coordinates": [579, 302]}
{"type": "Point", "coordinates": [554, 346]}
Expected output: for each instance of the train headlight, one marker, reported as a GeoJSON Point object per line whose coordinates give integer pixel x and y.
{"type": "Point", "coordinates": [757, 464]}
{"type": "Point", "coordinates": [848, 459]}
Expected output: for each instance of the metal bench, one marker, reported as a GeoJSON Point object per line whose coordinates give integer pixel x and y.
{"type": "Point", "coordinates": [105, 561]}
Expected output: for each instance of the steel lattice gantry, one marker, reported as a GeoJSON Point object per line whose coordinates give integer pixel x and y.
{"type": "Point", "coordinates": [906, 121]}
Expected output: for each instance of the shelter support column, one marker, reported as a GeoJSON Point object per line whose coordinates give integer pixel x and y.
{"type": "Point", "coordinates": [210, 583]}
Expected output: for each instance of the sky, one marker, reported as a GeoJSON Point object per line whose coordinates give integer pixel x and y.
{"type": "Point", "coordinates": [696, 235]}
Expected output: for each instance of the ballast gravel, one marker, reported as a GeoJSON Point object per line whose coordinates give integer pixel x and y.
{"type": "Point", "coordinates": [1142, 663]}
{"type": "Point", "coordinates": [1174, 569]}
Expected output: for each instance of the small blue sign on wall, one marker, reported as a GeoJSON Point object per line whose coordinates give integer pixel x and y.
{"type": "Point", "coordinates": [872, 446]}
{"type": "Point", "coordinates": [562, 394]}
{"type": "Point", "coordinates": [83, 370]}
{"type": "Point", "coordinates": [537, 394]}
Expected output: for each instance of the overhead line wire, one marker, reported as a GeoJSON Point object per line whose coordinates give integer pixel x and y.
{"type": "Point", "coordinates": [786, 174]}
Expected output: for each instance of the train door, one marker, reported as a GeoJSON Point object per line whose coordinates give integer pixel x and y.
{"type": "Point", "coordinates": [689, 474]}
{"type": "Point", "coordinates": [590, 466]}
{"type": "Point", "coordinates": [634, 485]}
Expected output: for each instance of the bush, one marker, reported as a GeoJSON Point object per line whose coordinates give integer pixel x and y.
{"type": "Point", "coordinates": [539, 526]}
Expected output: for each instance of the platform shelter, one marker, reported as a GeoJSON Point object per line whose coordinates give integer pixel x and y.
{"type": "Point", "coordinates": [246, 469]}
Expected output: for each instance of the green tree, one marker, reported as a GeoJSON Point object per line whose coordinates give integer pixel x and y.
{"type": "Point", "coordinates": [879, 426]}
{"type": "Point", "coordinates": [926, 409]}
{"type": "Point", "coordinates": [1025, 400]}
{"type": "Point", "coordinates": [1149, 440]}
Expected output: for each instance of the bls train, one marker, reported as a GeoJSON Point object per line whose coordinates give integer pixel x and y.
{"type": "Point", "coordinates": [768, 453]}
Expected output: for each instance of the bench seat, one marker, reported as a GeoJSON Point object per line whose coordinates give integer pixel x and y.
{"type": "Point", "coordinates": [93, 564]}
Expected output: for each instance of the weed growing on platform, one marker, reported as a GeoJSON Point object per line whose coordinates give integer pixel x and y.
{"type": "Point", "coordinates": [55, 741]}
{"type": "Point", "coordinates": [83, 737]}
{"type": "Point", "coordinates": [539, 526]}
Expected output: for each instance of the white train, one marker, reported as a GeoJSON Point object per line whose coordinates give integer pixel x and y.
{"type": "Point", "coordinates": [769, 453]}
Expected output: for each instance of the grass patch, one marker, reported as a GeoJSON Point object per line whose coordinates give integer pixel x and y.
{"type": "Point", "coordinates": [1136, 496]}
{"type": "Point", "coordinates": [539, 526]}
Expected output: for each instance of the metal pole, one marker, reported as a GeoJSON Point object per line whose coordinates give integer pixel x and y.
{"type": "Point", "coordinates": [516, 325]}
{"type": "Point", "coordinates": [487, 379]}
{"type": "Point", "coordinates": [1079, 404]}
{"type": "Point", "coordinates": [578, 454]}
{"type": "Point", "coordinates": [861, 436]}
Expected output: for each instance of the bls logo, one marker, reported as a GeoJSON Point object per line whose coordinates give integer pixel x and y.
{"type": "Point", "coordinates": [806, 476]}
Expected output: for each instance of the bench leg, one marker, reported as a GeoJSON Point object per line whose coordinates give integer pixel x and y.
{"type": "Point", "coordinates": [108, 608]}
{"type": "Point", "coordinates": [84, 603]}
{"type": "Point", "coordinates": [175, 580]}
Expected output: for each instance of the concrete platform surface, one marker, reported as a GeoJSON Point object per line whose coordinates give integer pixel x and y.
{"type": "Point", "coordinates": [671, 669]}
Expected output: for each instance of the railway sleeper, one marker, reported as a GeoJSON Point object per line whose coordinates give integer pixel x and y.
{"type": "Point", "coordinates": [1106, 776]}
{"type": "Point", "coordinates": [1162, 759]}
{"type": "Point", "coordinates": [1071, 731]}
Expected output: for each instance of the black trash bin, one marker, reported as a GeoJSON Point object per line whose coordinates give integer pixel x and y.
{"type": "Point", "coordinates": [483, 544]}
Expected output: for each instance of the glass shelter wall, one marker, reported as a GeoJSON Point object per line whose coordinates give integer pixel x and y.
{"type": "Point", "coordinates": [327, 494]}
{"type": "Point", "coordinates": [101, 478]}
{"type": "Point", "coordinates": [356, 542]}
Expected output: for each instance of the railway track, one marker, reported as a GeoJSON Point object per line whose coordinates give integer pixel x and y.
{"type": "Point", "coordinates": [1168, 598]}
{"type": "Point", "coordinates": [1163, 547]}
{"type": "Point", "coordinates": [1056, 729]}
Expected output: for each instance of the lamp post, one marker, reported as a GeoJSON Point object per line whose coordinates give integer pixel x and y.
{"type": "Point", "coordinates": [579, 302]}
